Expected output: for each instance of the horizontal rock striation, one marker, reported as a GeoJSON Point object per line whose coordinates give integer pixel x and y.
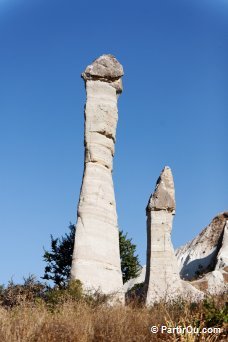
{"type": "Point", "coordinates": [96, 257]}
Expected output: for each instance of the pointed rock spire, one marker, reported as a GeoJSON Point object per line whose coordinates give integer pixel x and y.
{"type": "Point", "coordinates": [163, 197]}
{"type": "Point", "coordinates": [162, 280]}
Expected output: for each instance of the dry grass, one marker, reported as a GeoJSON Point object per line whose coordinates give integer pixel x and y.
{"type": "Point", "coordinates": [79, 321]}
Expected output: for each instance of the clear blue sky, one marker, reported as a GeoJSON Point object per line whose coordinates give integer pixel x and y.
{"type": "Point", "coordinates": [173, 111]}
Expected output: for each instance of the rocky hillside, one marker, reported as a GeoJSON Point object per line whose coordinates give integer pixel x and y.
{"type": "Point", "coordinates": [203, 261]}
{"type": "Point", "coordinates": [199, 256]}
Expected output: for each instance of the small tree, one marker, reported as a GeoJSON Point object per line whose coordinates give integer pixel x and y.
{"type": "Point", "coordinates": [130, 265]}
{"type": "Point", "coordinates": [59, 259]}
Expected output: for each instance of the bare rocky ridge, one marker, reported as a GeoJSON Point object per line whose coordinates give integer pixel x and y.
{"type": "Point", "coordinates": [222, 256]}
{"type": "Point", "coordinates": [96, 257]}
{"type": "Point", "coordinates": [199, 256]}
{"type": "Point", "coordinates": [204, 260]}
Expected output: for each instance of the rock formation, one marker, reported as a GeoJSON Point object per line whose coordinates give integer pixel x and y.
{"type": "Point", "coordinates": [96, 257]}
{"type": "Point", "coordinates": [162, 274]}
{"type": "Point", "coordinates": [204, 260]}
{"type": "Point", "coordinates": [199, 255]}
{"type": "Point", "coordinates": [140, 279]}
{"type": "Point", "coordinates": [222, 257]}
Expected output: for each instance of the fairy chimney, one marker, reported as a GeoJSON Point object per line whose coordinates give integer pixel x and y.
{"type": "Point", "coordinates": [96, 256]}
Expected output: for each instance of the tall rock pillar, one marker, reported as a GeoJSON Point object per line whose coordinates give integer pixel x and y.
{"type": "Point", "coordinates": [162, 280]}
{"type": "Point", "coordinates": [96, 257]}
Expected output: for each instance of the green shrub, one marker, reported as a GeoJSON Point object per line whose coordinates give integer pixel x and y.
{"type": "Point", "coordinates": [215, 314]}
{"type": "Point", "coordinates": [72, 292]}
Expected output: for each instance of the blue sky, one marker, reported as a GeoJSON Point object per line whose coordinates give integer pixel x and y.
{"type": "Point", "coordinates": [173, 111]}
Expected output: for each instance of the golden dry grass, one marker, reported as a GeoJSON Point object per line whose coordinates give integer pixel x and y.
{"type": "Point", "coordinates": [78, 321]}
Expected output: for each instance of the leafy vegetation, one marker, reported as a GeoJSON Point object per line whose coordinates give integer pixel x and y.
{"type": "Point", "coordinates": [130, 265]}
{"type": "Point", "coordinates": [59, 258]}
{"type": "Point", "coordinates": [215, 315]}
{"type": "Point", "coordinates": [33, 312]}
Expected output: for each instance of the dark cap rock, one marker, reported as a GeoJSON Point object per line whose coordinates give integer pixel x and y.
{"type": "Point", "coordinates": [106, 68]}
{"type": "Point", "coordinates": [163, 197]}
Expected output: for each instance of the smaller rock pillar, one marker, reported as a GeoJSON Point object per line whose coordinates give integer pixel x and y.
{"type": "Point", "coordinates": [162, 274]}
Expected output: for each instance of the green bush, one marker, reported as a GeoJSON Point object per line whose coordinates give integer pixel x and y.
{"type": "Point", "coordinates": [215, 314]}
{"type": "Point", "coordinates": [72, 292]}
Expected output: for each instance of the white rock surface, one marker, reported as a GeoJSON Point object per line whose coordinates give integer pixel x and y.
{"type": "Point", "coordinates": [212, 283]}
{"type": "Point", "coordinates": [96, 257]}
{"type": "Point", "coordinates": [216, 280]}
{"type": "Point", "coordinates": [138, 280]}
{"type": "Point", "coordinates": [199, 256]}
{"type": "Point", "coordinates": [212, 278]}
{"type": "Point", "coordinates": [222, 257]}
{"type": "Point", "coordinates": [188, 291]}
{"type": "Point", "coordinates": [162, 281]}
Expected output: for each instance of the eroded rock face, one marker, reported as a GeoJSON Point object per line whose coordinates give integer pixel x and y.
{"type": "Point", "coordinates": [162, 280]}
{"type": "Point", "coordinates": [222, 257]}
{"type": "Point", "coordinates": [106, 69]}
{"type": "Point", "coordinates": [96, 257]}
{"type": "Point", "coordinates": [163, 197]}
{"type": "Point", "coordinates": [204, 260]}
{"type": "Point", "coordinates": [199, 256]}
